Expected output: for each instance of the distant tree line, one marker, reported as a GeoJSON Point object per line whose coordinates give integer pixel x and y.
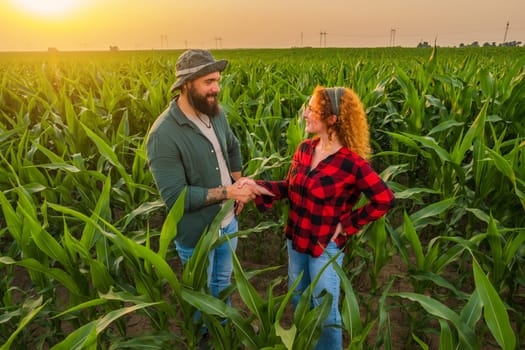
{"type": "Point", "coordinates": [425, 44]}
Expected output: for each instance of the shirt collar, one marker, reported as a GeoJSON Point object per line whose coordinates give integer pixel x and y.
{"type": "Point", "coordinates": [177, 114]}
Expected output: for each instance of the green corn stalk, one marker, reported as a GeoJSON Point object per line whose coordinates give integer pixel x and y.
{"type": "Point", "coordinates": [376, 235]}
{"type": "Point", "coordinates": [29, 311]}
{"type": "Point", "coordinates": [383, 320]}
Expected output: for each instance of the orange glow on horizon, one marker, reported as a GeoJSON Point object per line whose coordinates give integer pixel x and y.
{"type": "Point", "coordinates": [35, 25]}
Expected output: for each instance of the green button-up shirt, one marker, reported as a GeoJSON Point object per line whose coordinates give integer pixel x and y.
{"type": "Point", "coordinates": [179, 155]}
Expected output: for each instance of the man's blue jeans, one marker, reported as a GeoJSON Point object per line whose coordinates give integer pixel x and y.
{"type": "Point", "coordinates": [221, 260]}
{"type": "Point", "coordinates": [332, 335]}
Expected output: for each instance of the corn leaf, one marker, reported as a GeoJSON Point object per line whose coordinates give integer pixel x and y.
{"type": "Point", "coordinates": [494, 310]}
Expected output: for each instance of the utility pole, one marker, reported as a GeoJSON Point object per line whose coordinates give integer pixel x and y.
{"type": "Point", "coordinates": [392, 37]}
{"type": "Point", "coordinates": [218, 43]}
{"type": "Point", "coordinates": [506, 31]}
{"type": "Point", "coordinates": [322, 36]}
{"type": "Point", "coordinates": [163, 41]}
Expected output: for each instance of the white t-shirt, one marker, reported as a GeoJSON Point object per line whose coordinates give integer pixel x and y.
{"type": "Point", "coordinates": [225, 173]}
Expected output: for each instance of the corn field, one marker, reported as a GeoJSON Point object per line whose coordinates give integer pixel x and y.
{"type": "Point", "coordinates": [87, 246]}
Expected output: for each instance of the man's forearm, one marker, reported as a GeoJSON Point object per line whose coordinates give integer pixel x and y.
{"type": "Point", "coordinates": [216, 195]}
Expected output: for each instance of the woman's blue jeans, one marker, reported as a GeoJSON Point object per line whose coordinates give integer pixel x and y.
{"type": "Point", "coordinates": [331, 335]}
{"type": "Point", "coordinates": [221, 260]}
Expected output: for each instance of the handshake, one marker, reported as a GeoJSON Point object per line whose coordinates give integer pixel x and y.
{"type": "Point", "coordinates": [246, 189]}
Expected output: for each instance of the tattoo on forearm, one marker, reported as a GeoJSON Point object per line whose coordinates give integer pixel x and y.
{"type": "Point", "coordinates": [216, 195]}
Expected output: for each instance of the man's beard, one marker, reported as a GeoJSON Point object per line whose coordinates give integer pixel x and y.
{"type": "Point", "coordinates": [201, 103]}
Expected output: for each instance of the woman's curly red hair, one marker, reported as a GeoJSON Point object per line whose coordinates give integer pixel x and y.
{"type": "Point", "coordinates": [351, 125]}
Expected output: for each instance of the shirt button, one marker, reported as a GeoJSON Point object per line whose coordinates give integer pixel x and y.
{"type": "Point", "coordinates": [212, 151]}
{"type": "Point", "coordinates": [217, 169]}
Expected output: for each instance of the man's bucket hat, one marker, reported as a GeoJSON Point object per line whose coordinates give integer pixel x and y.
{"type": "Point", "coordinates": [193, 64]}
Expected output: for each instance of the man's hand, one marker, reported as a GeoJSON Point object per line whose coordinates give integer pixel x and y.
{"type": "Point", "coordinates": [246, 189]}
{"type": "Point", "coordinates": [260, 190]}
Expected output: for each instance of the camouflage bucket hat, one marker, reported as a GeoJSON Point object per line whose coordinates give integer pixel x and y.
{"type": "Point", "coordinates": [193, 64]}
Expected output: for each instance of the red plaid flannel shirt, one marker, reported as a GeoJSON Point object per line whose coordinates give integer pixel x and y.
{"type": "Point", "coordinates": [322, 197]}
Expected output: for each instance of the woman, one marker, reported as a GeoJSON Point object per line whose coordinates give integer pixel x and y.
{"type": "Point", "coordinates": [328, 174]}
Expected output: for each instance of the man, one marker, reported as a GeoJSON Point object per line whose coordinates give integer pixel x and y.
{"type": "Point", "coordinates": [192, 145]}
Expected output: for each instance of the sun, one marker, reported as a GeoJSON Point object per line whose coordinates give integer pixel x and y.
{"type": "Point", "coordinates": [47, 7]}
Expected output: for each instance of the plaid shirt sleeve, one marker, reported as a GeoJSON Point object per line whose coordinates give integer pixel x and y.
{"type": "Point", "coordinates": [380, 197]}
{"type": "Point", "coordinates": [279, 188]}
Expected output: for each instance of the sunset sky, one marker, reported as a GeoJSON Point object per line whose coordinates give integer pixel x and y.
{"type": "Point", "coordinates": [35, 25]}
